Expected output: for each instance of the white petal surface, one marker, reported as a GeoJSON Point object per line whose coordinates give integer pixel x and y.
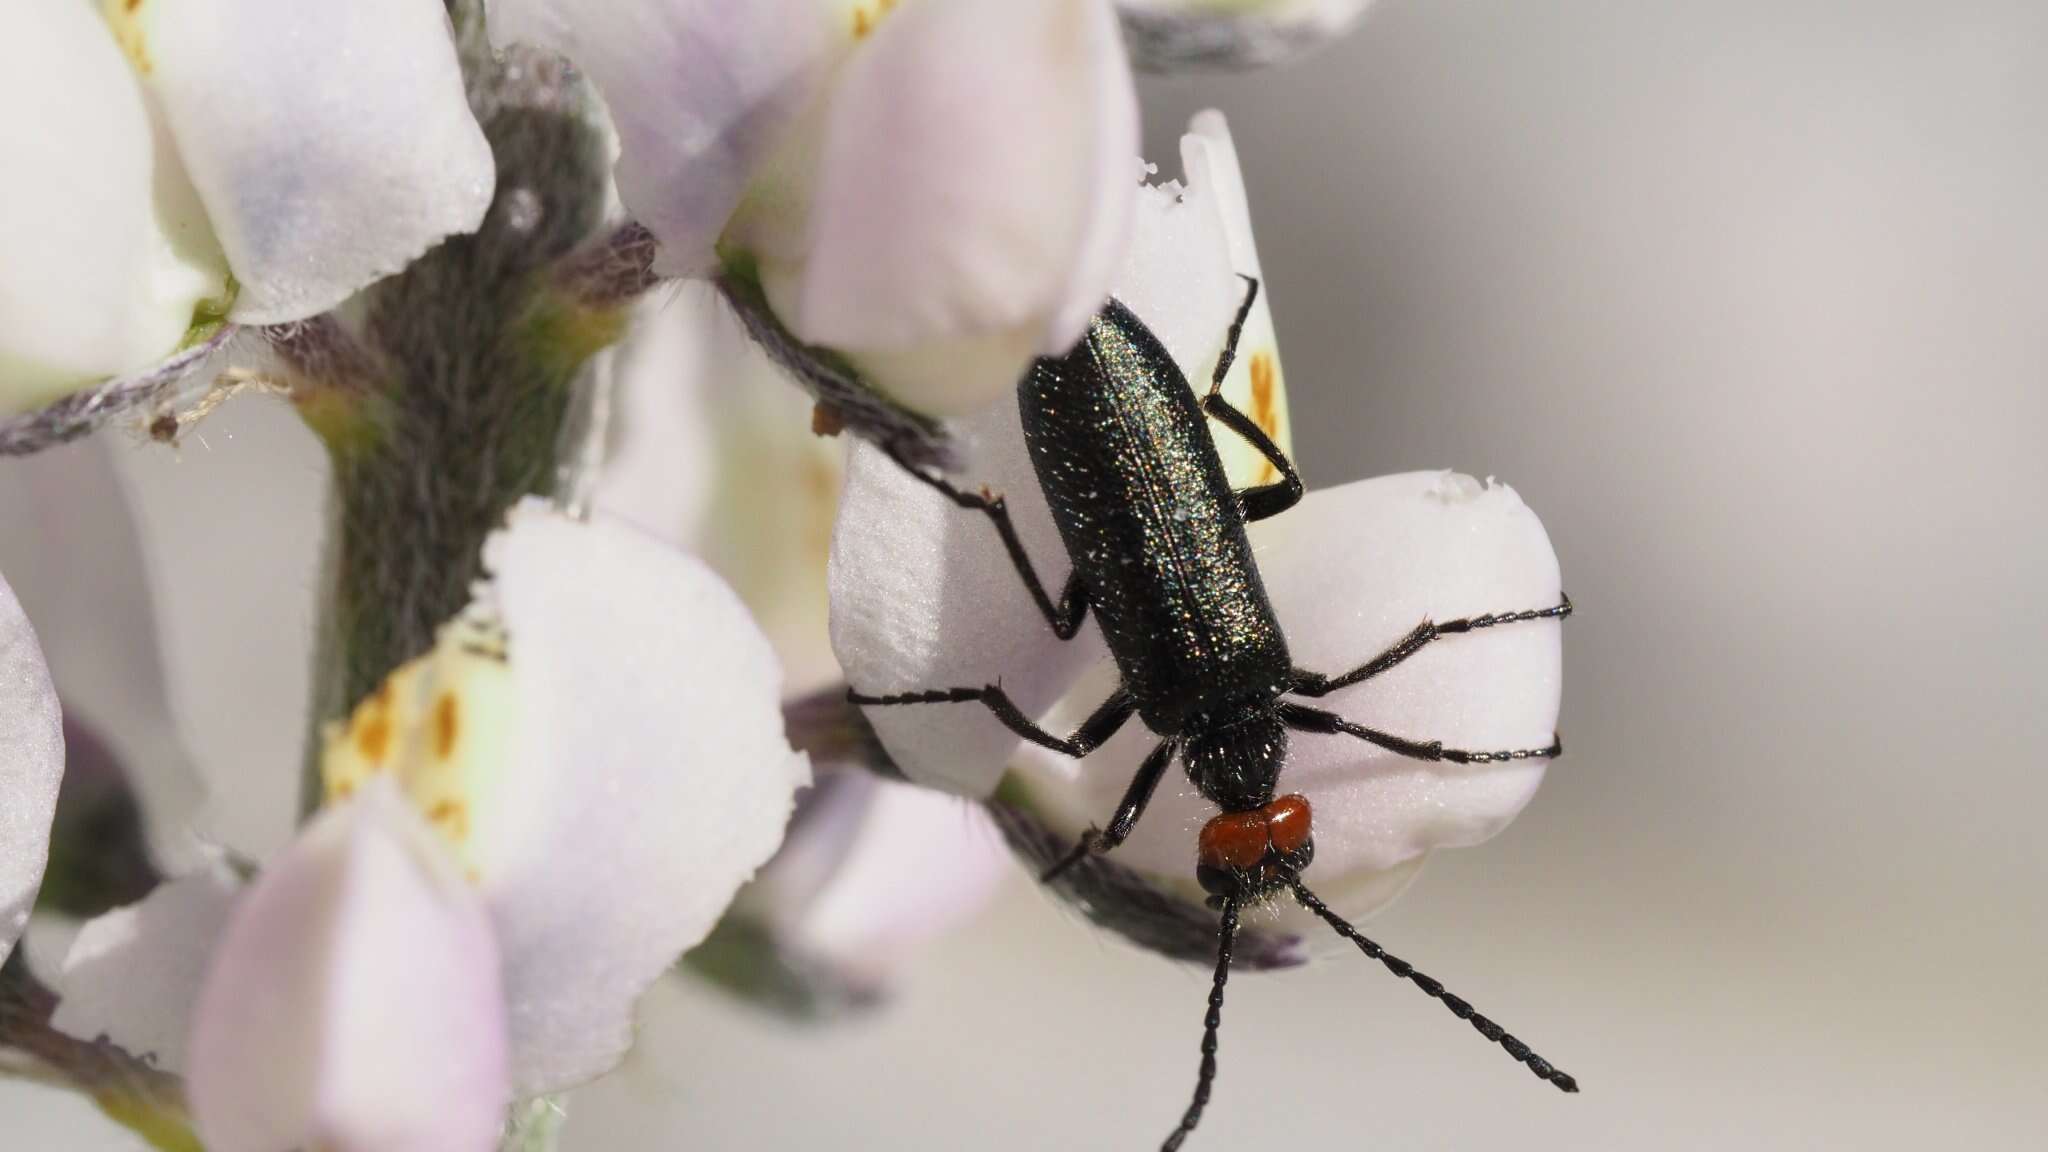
{"type": "Point", "coordinates": [653, 781]}
{"type": "Point", "coordinates": [354, 1004]}
{"type": "Point", "coordinates": [974, 187]}
{"type": "Point", "coordinates": [31, 767]}
{"type": "Point", "coordinates": [1350, 571]}
{"type": "Point", "coordinates": [713, 451]}
{"type": "Point", "coordinates": [330, 143]}
{"type": "Point", "coordinates": [1255, 384]}
{"type": "Point", "coordinates": [700, 91]}
{"type": "Point", "coordinates": [134, 974]}
{"type": "Point", "coordinates": [92, 284]}
{"type": "Point", "coordinates": [68, 541]}
{"type": "Point", "coordinates": [658, 471]}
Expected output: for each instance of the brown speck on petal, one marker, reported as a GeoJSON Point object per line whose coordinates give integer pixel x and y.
{"type": "Point", "coordinates": [451, 817]}
{"type": "Point", "coordinates": [826, 420]}
{"type": "Point", "coordinates": [446, 725]}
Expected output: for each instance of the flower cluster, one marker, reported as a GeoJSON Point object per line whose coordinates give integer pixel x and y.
{"type": "Point", "coordinates": [540, 275]}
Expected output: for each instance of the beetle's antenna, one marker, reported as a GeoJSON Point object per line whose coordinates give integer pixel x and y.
{"type": "Point", "coordinates": [1226, 936]}
{"type": "Point", "coordinates": [1432, 988]}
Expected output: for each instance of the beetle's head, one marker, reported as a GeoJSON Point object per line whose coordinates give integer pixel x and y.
{"type": "Point", "coordinates": [1250, 854]}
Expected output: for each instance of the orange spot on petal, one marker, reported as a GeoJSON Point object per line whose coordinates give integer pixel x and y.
{"type": "Point", "coordinates": [1265, 406]}
{"type": "Point", "coordinates": [373, 734]}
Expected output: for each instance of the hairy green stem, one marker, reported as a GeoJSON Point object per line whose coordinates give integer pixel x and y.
{"type": "Point", "coordinates": [475, 357]}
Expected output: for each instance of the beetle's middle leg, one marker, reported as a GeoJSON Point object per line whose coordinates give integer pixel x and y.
{"type": "Point", "coordinates": [1312, 684]}
{"type": "Point", "coordinates": [1065, 616]}
{"type": "Point", "coordinates": [1306, 719]}
{"type": "Point", "coordinates": [1266, 499]}
{"type": "Point", "coordinates": [1098, 727]}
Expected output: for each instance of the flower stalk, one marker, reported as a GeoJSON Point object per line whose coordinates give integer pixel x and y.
{"type": "Point", "coordinates": [460, 379]}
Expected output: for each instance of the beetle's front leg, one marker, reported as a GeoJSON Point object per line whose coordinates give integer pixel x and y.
{"type": "Point", "coordinates": [1136, 797]}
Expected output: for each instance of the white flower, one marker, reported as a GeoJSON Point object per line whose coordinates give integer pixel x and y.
{"type": "Point", "coordinates": [711, 455]}
{"type": "Point", "coordinates": [590, 762]}
{"type": "Point", "coordinates": [923, 597]}
{"type": "Point", "coordinates": [938, 188]}
{"type": "Point", "coordinates": [303, 150]}
{"type": "Point", "coordinates": [31, 767]}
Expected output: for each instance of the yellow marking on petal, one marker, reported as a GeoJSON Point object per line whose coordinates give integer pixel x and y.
{"type": "Point", "coordinates": [373, 736]}
{"type": "Point", "coordinates": [442, 726]}
{"type": "Point", "coordinates": [451, 817]}
{"type": "Point", "coordinates": [125, 19]}
{"type": "Point", "coordinates": [867, 16]}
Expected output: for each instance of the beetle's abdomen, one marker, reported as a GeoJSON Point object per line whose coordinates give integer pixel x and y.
{"type": "Point", "coordinates": [1123, 453]}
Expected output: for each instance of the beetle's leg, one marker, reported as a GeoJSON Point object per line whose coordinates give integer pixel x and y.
{"type": "Point", "coordinates": [1098, 727]}
{"type": "Point", "coordinates": [1096, 842]}
{"type": "Point", "coordinates": [1284, 493]}
{"type": "Point", "coordinates": [1308, 683]}
{"type": "Point", "coordinates": [1307, 719]}
{"type": "Point", "coordinates": [1066, 616]}
{"type": "Point", "coordinates": [1244, 312]}
{"type": "Point", "coordinates": [1266, 499]}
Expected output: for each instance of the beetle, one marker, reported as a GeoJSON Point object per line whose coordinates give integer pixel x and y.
{"type": "Point", "coordinates": [1160, 557]}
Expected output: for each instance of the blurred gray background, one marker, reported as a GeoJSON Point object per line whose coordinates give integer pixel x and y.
{"type": "Point", "coordinates": [1747, 299]}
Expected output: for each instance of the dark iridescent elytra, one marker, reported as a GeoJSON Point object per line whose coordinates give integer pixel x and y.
{"type": "Point", "coordinates": [1154, 532]}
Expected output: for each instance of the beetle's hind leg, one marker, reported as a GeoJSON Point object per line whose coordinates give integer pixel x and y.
{"type": "Point", "coordinates": [1098, 727]}
{"type": "Point", "coordinates": [1266, 499]}
{"type": "Point", "coordinates": [1306, 719]}
{"type": "Point", "coordinates": [1312, 684]}
{"type": "Point", "coordinates": [1065, 616]}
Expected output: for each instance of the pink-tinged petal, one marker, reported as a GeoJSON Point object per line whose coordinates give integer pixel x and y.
{"type": "Point", "coordinates": [354, 1003]}
{"type": "Point", "coordinates": [134, 974]}
{"type": "Point", "coordinates": [99, 277]}
{"type": "Point", "coordinates": [910, 865]}
{"type": "Point", "coordinates": [974, 190]}
{"type": "Point", "coordinates": [1350, 571]}
{"type": "Point", "coordinates": [31, 767]}
{"type": "Point", "coordinates": [652, 779]}
{"type": "Point", "coordinates": [330, 143]}
{"type": "Point", "coordinates": [701, 92]}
